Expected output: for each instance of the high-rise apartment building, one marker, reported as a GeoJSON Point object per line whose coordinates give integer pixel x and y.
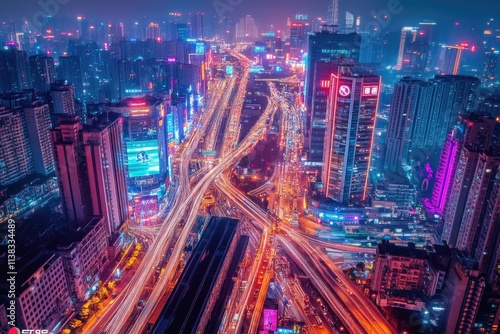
{"type": "Point", "coordinates": [42, 293]}
{"type": "Point", "coordinates": [153, 31]}
{"type": "Point", "coordinates": [246, 29]}
{"type": "Point", "coordinates": [196, 25]}
{"type": "Point", "coordinates": [350, 122]}
{"type": "Point", "coordinates": [42, 72]}
{"type": "Point", "coordinates": [70, 70]}
{"type": "Point", "coordinates": [38, 124]}
{"type": "Point", "coordinates": [104, 153]}
{"type": "Point", "coordinates": [324, 46]}
{"type": "Point", "coordinates": [16, 160]}
{"type": "Point", "coordinates": [423, 112]}
{"type": "Point", "coordinates": [63, 98]}
{"type": "Point", "coordinates": [332, 15]}
{"type": "Point", "coordinates": [14, 70]}
{"type": "Point", "coordinates": [71, 169]}
{"type": "Point", "coordinates": [476, 141]}
{"type": "Point", "coordinates": [322, 79]}
{"type": "Point", "coordinates": [415, 48]}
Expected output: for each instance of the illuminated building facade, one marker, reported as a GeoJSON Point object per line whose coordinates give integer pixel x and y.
{"type": "Point", "coordinates": [85, 255]}
{"type": "Point", "coordinates": [324, 46]}
{"type": "Point", "coordinates": [478, 134]}
{"type": "Point", "coordinates": [350, 122]}
{"type": "Point", "coordinates": [144, 132]}
{"type": "Point", "coordinates": [423, 112]}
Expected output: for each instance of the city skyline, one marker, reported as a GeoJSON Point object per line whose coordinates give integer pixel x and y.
{"type": "Point", "coordinates": [447, 12]}
{"type": "Point", "coordinates": [297, 167]}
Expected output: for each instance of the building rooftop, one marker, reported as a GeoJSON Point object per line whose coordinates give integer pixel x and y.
{"type": "Point", "coordinates": [410, 251]}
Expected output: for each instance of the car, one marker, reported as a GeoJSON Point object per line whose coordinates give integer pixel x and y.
{"type": "Point", "coordinates": [256, 292]}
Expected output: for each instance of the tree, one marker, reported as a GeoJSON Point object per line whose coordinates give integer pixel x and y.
{"type": "Point", "coordinates": [76, 324]}
{"type": "Point", "coordinates": [84, 313]}
{"type": "Point", "coordinates": [103, 292]}
{"type": "Point", "coordinates": [111, 285]}
{"type": "Point", "coordinates": [66, 331]}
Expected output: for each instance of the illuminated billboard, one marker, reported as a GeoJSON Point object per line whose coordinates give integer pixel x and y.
{"type": "Point", "coordinates": [229, 70]}
{"type": "Point", "coordinates": [270, 320]}
{"type": "Point", "coordinates": [143, 158]}
{"type": "Point", "coordinates": [145, 208]}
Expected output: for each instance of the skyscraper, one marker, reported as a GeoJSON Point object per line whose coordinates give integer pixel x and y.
{"type": "Point", "coordinates": [14, 70]}
{"type": "Point", "coordinates": [246, 29]}
{"type": "Point", "coordinates": [16, 160]}
{"type": "Point", "coordinates": [196, 25]}
{"type": "Point", "coordinates": [321, 90]}
{"type": "Point", "coordinates": [415, 48]}
{"type": "Point", "coordinates": [332, 15]}
{"type": "Point", "coordinates": [38, 124]}
{"type": "Point", "coordinates": [323, 46]}
{"type": "Point", "coordinates": [423, 112]}
{"type": "Point", "coordinates": [408, 97]}
{"type": "Point", "coordinates": [63, 98]}
{"type": "Point", "coordinates": [477, 138]}
{"type": "Point", "coordinates": [70, 70]}
{"type": "Point", "coordinates": [71, 169]}
{"type": "Point", "coordinates": [153, 31]}
{"type": "Point", "coordinates": [104, 154]}
{"type": "Point", "coordinates": [350, 122]}
{"type": "Point", "coordinates": [42, 72]}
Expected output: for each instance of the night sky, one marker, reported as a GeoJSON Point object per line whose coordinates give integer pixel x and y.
{"type": "Point", "coordinates": [445, 12]}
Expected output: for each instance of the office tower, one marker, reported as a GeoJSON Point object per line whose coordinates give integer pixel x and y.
{"type": "Point", "coordinates": [71, 169]}
{"type": "Point", "coordinates": [182, 31]}
{"type": "Point", "coordinates": [14, 70]}
{"type": "Point", "coordinates": [321, 90]}
{"type": "Point", "coordinates": [350, 122]}
{"type": "Point", "coordinates": [196, 25]}
{"type": "Point", "coordinates": [190, 305]}
{"type": "Point", "coordinates": [464, 287]}
{"type": "Point", "coordinates": [42, 72]}
{"type": "Point", "coordinates": [478, 133]}
{"type": "Point", "coordinates": [298, 38]}
{"type": "Point", "coordinates": [114, 33]}
{"type": "Point", "coordinates": [104, 149]}
{"type": "Point", "coordinates": [246, 29]}
{"type": "Point", "coordinates": [322, 46]}
{"type": "Point", "coordinates": [83, 29]}
{"type": "Point", "coordinates": [36, 306]}
{"type": "Point", "coordinates": [146, 151]}
{"type": "Point", "coordinates": [332, 15]}
{"type": "Point", "coordinates": [415, 48]}
{"type": "Point", "coordinates": [63, 98]}
{"type": "Point", "coordinates": [153, 31]}
{"type": "Point", "coordinates": [490, 66]}
{"type": "Point", "coordinates": [451, 96]}
{"type": "Point", "coordinates": [408, 98]}
{"type": "Point", "coordinates": [38, 124]}
{"type": "Point", "coordinates": [70, 70]}
{"type": "Point", "coordinates": [16, 161]}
